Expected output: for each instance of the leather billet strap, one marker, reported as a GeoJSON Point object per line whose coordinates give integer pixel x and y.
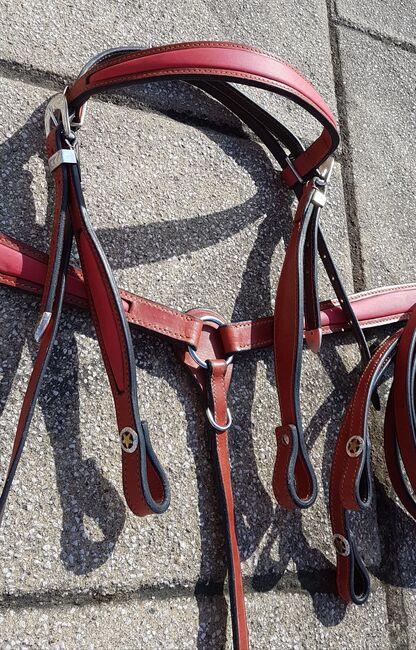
{"type": "Point", "coordinates": [46, 345]}
{"type": "Point", "coordinates": [217, 387]}
{"type": "Point", "coordinates": [350, 483]}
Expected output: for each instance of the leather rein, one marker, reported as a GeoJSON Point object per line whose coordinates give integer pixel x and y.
{"type": "Point", "coordinates": [205, 343]}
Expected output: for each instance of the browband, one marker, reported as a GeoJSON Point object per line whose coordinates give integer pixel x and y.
{"type": "Point", "coordinates": [204, 342]}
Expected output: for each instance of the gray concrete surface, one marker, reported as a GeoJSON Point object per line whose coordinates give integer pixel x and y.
{"type": "Point", "coordinates": [173, 622]}
{"type": "Point", "coordinates": [393, 20]}
{"type": "Point", "coordinates": [169, 199]}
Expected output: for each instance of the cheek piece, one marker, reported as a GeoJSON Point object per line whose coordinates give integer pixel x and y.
{"type": "Point", "coordinates": [205, 343]}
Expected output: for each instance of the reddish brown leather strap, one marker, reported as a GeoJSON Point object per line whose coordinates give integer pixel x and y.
{"type": "Point", "coordinates": [212, 373]}
{"type": "Point", "coordinates": [217, 400]}
{"type": "Point", "coordinates": [45, 348]}
{"type": "Point", "coordinates": [24, 267]}
{"type": "Point", "coordinates": [294, 481]}
{"type": "Point", "coordinates": [350, 483]}
{"type": "Point", "coordinates": [215, 60]}
{"type": "Point", "coordinates": [373, 308]}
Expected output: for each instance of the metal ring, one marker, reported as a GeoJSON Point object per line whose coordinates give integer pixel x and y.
{"type": "Point", "coordinates": [216, 426]}
{"type": "Point", "coordinates": [193, 353]}
{"type": "Point", "coordinates": [342, 545]}
{"type": "Point", "coordinates": [129, 440]}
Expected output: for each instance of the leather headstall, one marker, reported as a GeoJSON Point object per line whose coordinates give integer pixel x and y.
{"type": "Point", "coordinates": [205, 343]}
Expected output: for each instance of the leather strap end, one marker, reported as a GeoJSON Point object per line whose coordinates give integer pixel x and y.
{"type": "Point", "coordinates": [294, 481]}
{"type": "Point", "coordinates": [353, 580]}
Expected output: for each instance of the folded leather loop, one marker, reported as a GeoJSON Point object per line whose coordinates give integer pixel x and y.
{"type": "Point", "coordinates": [145, 484]}
{"type": "Point", "coordinates": [294, 483]}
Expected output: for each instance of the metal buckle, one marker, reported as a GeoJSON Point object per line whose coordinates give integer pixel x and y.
{"type": "Point", "coordinates": [193, 353]}
{"type": "Point", "coordinates": [58, 104]}
{"type": "Point", "coordinates": [321, 182]}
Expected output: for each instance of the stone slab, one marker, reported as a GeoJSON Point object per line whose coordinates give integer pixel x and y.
{"type": "Point", "coordinates": [396, 20]}
{"type": "Point", "coordinates": [379, 84]}
{"type": "Point", "coordinates": [276, 620]}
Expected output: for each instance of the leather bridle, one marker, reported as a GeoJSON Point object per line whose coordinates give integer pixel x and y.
{"type": "Point", "coordinates": [204, 342]}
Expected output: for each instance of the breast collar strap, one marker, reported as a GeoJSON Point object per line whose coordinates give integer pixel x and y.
{"type": "Point", "coordinates": [204, 342]}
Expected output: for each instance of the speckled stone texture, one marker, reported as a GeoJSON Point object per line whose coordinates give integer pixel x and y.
{"type": "Point", "coordinates": [190, 211]}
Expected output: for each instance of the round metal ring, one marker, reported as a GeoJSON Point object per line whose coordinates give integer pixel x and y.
{"type": "Point", "coordinates": [216, 426]}
{"type": "Point", "coordinates": [194, 354]}
{"type": "Point", "coordinates": [342, 545]}
{"type": "Point", "coordinates": [129, 440]}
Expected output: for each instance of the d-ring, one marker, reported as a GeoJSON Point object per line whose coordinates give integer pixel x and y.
{"type": "Point", "coordinates": [194, 354]}
{"type": "Point", "coordinates": [216, 426]}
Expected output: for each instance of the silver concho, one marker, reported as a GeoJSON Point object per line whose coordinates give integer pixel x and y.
{"type": "Point", "coordinates": [355, 446]}
{"type": "Point", "coordinates": [342, 545]}
{"type": "Point", "coordinates": [129, 440]}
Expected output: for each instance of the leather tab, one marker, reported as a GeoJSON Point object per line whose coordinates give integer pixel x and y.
{"type": "Point", "coordinates": [209, 347]}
